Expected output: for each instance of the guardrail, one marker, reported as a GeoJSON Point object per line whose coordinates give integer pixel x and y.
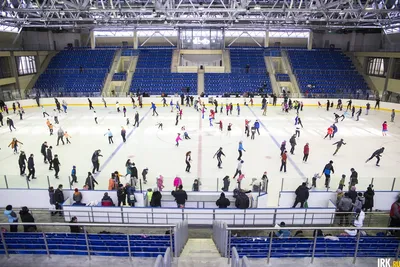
{"type": "Point", "coordinates": [221, 240]}
{"type": "Point", "coordinates": [165, 261]}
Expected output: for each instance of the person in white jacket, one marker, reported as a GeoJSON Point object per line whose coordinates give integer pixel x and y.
{"type": "Point", "coordinates": [358, 223]}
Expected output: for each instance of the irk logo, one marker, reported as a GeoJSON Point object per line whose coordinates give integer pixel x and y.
{"type": "Point", "coordinates": [388, 263]}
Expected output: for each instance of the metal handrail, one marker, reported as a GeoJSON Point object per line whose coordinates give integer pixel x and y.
{"type": "Point", "coordinates": [95, 224]}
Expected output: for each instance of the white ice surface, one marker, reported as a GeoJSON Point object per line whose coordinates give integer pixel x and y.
{"type": "Point", "coordinates": [155, 149]}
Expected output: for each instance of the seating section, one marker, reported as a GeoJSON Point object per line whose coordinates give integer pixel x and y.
{"type": "Point", "coordinates": [129, 52]}
{"type": "Point", "coordinates": [75, 244]}
{"type": "Point", "coordinates": [153, 74]}
{"type": "Point", "coordinates": [119, 76]}
{"type": "Point", "coordinates": [257, 247]}
{"type": "Point", "coordinates": [72, 71]}
{"type": "Point", "coordinates": [248, 74]}
{"type": "Point", "coordinates": [324, 71]}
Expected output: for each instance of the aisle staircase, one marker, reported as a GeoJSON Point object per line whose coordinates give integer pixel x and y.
{"type": "Point", "coordinates": [293, 80]}
{"type": "Point", "coordinates": [201, 252]}
{"type": "Point", "coordinates": [131, 71]}
{"type": "Point", "coordinates": [360, 69]}
{"type": "Point", "coordinates": [107, 85]}
{"type": "Point", "coordinates": [271, 72]}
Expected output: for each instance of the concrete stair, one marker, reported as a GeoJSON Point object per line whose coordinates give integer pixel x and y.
{"type": "Point", "coordinates": [271, 72]}
{"type": "Point", "coordinates": [288, 68]}
{"type": "Point", "coordinates": [201, 252]}
{"type": "Point", "coordinates": [107, 88]}
{"type": "Point", "coordinates": [175, 60]}
{"type": "Point", "coordinates": [131, 71]}
{"type": "Point", "coordinates": [227, 61]}
{"type": "Point", "coordinates": [360, 69]}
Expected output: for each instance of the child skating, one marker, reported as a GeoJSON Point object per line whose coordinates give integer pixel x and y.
{"type": "Point", "coordinates": [177, 139]}
{"type": "Point", "coordinates": [384, 128]}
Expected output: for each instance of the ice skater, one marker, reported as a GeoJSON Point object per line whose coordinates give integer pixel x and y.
{"type": "Point", "coordinates": [31, 168]}
{"type": "Point", "coordinates": [377, 154]}
{"type": "Point", "coordinates": [123, 134]}
{"type": "Point", "coordinates": [188, 159]}
{"type": "Point", "coordinates": [210, 118]}
{"type": "Point", "coordinates": [384, 128]}
{"type": "Point", "coordinates": [90, 104]}
{"type": "Point", "coordinates": [127, 122]}
{"type": "Point", "coordinates": [328, 105]}
{"type": "Point", "coordinates": [329, 133]}
{"type": "Point", "coordinates": [349, 105]}
{"type": "Point", "coordinates": [392, 115]}
{"type": "Point", "coordinates": [14, 145]}
{"type": "Point", "coordinates": [338, 146]}
{"type": "Point", "coordinates": [218, 154]}
{"type": "Point", "coordinates": [10, 124]}
{"type": "Point", "coordinates": [104, 102]}
{"type": "Point", "coordinates": [95, 160]}
{"type": "Point", "coordinates": [56, 165]}
{"type": "Point", "coordinates": [335, 129]}
{"type": "Point", "coordinates": [49, 155]}
{"type": "Point", "coordinates": [177, 118]}
{"type": "Point", "coordinates": [353, 110]}
{"type": "Point", "coordinates": [247, 127]}
{"type": "Point", "coordinates": [124, 111]}
{"type": "Point", "coordinates": [358, 114]}
{"type": "Point", "coordinates": [283, 147]}
{"type": "Point", "coordinates": [154, 108]}
{"type": "Point", "coordinates": [297, 132]}
{"type": "Point", "coordinates": [73, 176]}
{"type": "Point", "coordinates": [160, 125]}
{"type": "Point", "coordinates": [220, 125]}
{"type": "Point", "coordinates": [43, 149]}
{"type": "Point", "coordinates": [337, 117]}
{"type": "Point", "coordinates": [283, 161]}
{"type": "Point", "coordinates": [229, 129]}
{"type": "Point", "coordinates": [55, 117]}
{"type": "Point", "coordinates": [314, 180]}
{"type": "Point", "coordinates": [203, 110]}
{"type": "Point", "coordinates": [95, 116]}
{"type": "Point", "coordinates": [177, 139]}
{"type": "Point", "coordinates": [367, 108]}
{"type": "Point", "coordinates": [238, 109]}
{"type": "Point", "coordinates": [240, 149]}
{"type": "Point", "coordinates": [180, 114]}
{"type": "Point", "coordinates": [164, 102]}
{"type": "Point", "coordinates": [22, 163]}
{"type": "Point", "coordinates": [65, 106]}
{"type": "Point", "coordinates": [253, 132]}
{"type": "Point", "coordinates": [67, 137]}
{"type": "Point", "coordinates": [110, 136]}
{"type": "Point", "coordinates": [328, 169]}
{"type": "Point", "coordinates": [293, 144]}
{"type": "Point", "coordinates": [144, 175]}
{"type": "Point", "coordinates": [257, 126]}
{"type": "Point", "coordinates": [136, 120]}
{"type": "Point", "coordinates": [238, 169]}
{"type": "Point", "coordinates": [306, 152]}
{"type": "Point", "coordinates": [20, 114]}
{"type": "Point", "coordinates": [186, 136]}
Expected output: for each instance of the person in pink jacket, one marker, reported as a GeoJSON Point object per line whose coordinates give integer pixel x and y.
{"type": "Point", "coordinates": [178, 138]}
{"type": "Point", "coordinates": [160, 183]}
{"type": "Point", "coordinates": [177, 182]}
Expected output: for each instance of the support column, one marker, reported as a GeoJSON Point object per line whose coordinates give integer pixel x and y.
{"type": "Point", "coordinates": [309, 41]}
{"type": "Point", "coordinates": [266, 39]}
{"type": "Point", "coordinates": [135, 40]}
{"type": "Point", "coordinates": [178, 41]}
{"type": "Point", "coordinates": [92, 40]}
{"type": "Point", "coordinates": [389, 74]}
{"type": "Point", "coordinates": [51, 40]}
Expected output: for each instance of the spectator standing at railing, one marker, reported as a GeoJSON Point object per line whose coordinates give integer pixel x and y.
{"type": "Point", "coordinates": [302, 195]}
{"type": "Point", "coordinates": [59, 199]}
{"type": "Point", "coordinates": [27, 218]}
{"type": "Point", "coordinates": [345, 206]}
{"type": "Point", "coordinates": [180, 196]}
{"type": "Point", "coordinates": [130, 193]}
{"type": "Point", "coordinates": [353, 194]}
{"type": "Point", "coordinates": [90, 181]}
{"type": "Point", "coordinates": [156, 199]}
{"type": "Point", "coordinates": [369, 198]}
{"type": "Point", "coordinates": [12, 218]}
{"type": "Point", "coordinates": [75, 228]}
{"type": "Point", "coordinates": [77, 196]}
{"type": "Point", "coordinates": [121, 195]}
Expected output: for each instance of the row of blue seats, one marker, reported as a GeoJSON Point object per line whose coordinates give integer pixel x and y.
{"type": "Point", "coordinates": [83, 247]}
{"type": "Point", "coordinates": [84, 253]}
{"type": "Point", "coordinates": [283, 77]}
{"type": "Point", "coordinates": [119, 76]}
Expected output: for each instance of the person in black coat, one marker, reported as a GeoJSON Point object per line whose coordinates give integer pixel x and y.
{"type": "Point", "coordinates": [1, 119]}
{"type": "Point", "coordinates": [223, 202]}
{"type": "Point", "coordinates": [302, 195]}
{"type": "Point", "coordinates": [353, 177]}
{"type": "Point", "coordinates": [377, 154]}
{"type": "Point", "coordinates": [56, 164]}
{"type": "Point", "coordinates": [43, 151]}
{"type": "Point", "coordinates": [353, 194]}
{"type": "Point", "coordinates": [22, 163]}
{"type": "Point", "coordinates": [90, 181]}
{"type": "Point", "coordinates": [121, 195]}
{"type": "Point", "coordinates": [369, 198]}
{"type": "Point", "coordinates": [59, 199]}
{"type": "Point", "coordinates": [134, 171]}
{"type": "Point", "coordinates": [75, 228]}
{"type": "Point", "coordinates": [292, 144]}
{"type": "Point", "coordinates": [226, 184]}
{"type": "Point", "coordinates": [180, 196]}
{"type": "Point", "coordinates": [28, 218]}
{"type": "Point", "coordinates": [156, 198]}
{"type": "Point", "coordinates": [242, 200]}
{"type": "Point", "coordinates": [49, 156]}
{"type": "Point", "coordinates": [95, 160]}
{"type": "Point", "coordinates": [31, 167]}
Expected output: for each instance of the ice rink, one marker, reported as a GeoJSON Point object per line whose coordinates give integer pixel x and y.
{"type": "Point", "coordinates": [147, 146]}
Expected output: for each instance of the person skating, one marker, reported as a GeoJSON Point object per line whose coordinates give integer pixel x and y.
{"type": "Point", "coordinates": [44, 112]}
{"type": "Point", "coordinates": [283, 161]}
{"type": "Point", "coordinates": [104, 102]}
{"type": "Point", "coordinates": [186, 136]}
{"type": "Point", "coordinates": [368, 108]}
{"type": "Point", "coordinates": [95, 116]}
{"type": "Point", "coordinates": [2, 117]}
{"type": "Point", "coordinates": [253, 132]}
{"type": "Point", "coordinates": [239, 168]}
{"type": "Point", "coordinates": [90, 104]}
{"type": "Point", "coordinates": [306, 152]}
{"type": "Point", "coordinates": [67, 137]}
{"type": "Point", "coordinates": [43, 150]}
{"type": "Point", "coordinates": [110, 136]}
{"type": "Point", "coordinates": [56, 165]}
{"type": "Point", "coordinates": [335, 129]}
{"type": "Point", "coordinates": [338, 146]}
{"type": "Point", "coordinates": [257, 125]}
{"type": "Point", "coordinates": [20, 114]}
{"type": "Point", "coordinates": [314, 180]}
{"type": "Point", "coordinates": [60, 136]}
{"type": "Point", "coordinates": [31, 168]}
{"type": "Point", "coordinates": [391, 116]}
{"type": "Point", "coordinates": [328, 104]}
{"type": "Point", "coordinates": [55, 117]}
{"type": "Point", "coordinates": [123, 134]}
{"type": "Point", "coordinates": [10, 124]}
{"type": "Point", "coordinates": [293, 144]}
{"type": "Point", "coordinates": [358, 114]}
{"type": "Point", "coordinates": [180, 113]}
{"type": "Point", "coordinates": [283, 147]}
{"type": "Point", "coordinates": [177, 139]}
{"type": "Point", "coordinates": [229, 129]}
{"type": "Point", "coordinates": [384, 128]}
{"type": "Point", "coordinates": [22, 163]}
{"type": "Point", "coordinates": [349, 105]}
{"type": "Point", "coordinates": [353, 177]}
{"type": "Point", "coordinates": [14, 145]}
{"type": "Point", "coordinates": [49, 156]}
{"type": "Point", "coordinates": [124, 111]}
{"type": "Point", "coordinates": [240, 149]}
{"type": "Point", "coordinates": [144, 175]}
{"type": "Point", "coordinates": [177, 118]}
{"type": "Point", "coordinates": [14, 107]}
{"type": "Point", "coordinates": [329, 133]}
{"type": "Point", "coordinates": [328, 169]}
{"type": "Point", "coordinates": [297, 132]}
{"type": "Point", "coordinates": [136, 119]}
{"type": "Point", "coordinates": [377, 154]}
{"type": "Point", "coordinates": [238, 109]}
{"type": "Point", "coordinates": [90, 181]}
{"type": "Point", "coordinates": [160, 125]}
{"type": "Point", "coordinates": [377, 102]}
{"type": "Point", "coordinates": [95, 161]}
{"type": "Point", "coordinates": [353, 110]}
{"type": "Point", "coordinates": [247, 127]}
{"type": "Point", "coordinates": [188, 159]}
{"type": "Point", "coordinates": [154, 108]}
{"type": "Point", "coordinates": [73, 176]}
{"type": "Point", "coordinates": [218, 154]}
{"type": "Point", "coordinates": [133, 102]}
{"type": "Point", "coordinates": [337, 117]}
{"type": "Point", "coordinates": [117, 107]}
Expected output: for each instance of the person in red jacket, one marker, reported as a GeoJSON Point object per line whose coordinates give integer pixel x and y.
{"type": "Point", "coordinates": [283, 161]}
{"type": "Point", "coordinates": [384, 128]}
{"type": "Point", "coordinates": [306, 152]}
{"type": "Point", "coordinates": [329, 133]}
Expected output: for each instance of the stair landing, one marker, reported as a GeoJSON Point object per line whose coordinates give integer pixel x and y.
{"type": "Point", "coordinates": [201, 252]}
